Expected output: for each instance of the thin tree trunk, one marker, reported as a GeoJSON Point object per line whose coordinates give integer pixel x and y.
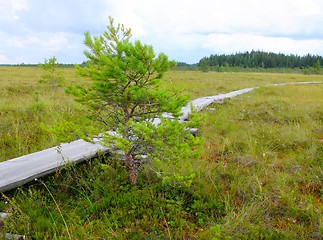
{"type": "Point", "coordinates": [131, 168]}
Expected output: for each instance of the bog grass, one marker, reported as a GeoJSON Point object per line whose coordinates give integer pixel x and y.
{"type": "Point", "coordinates": [200, 84]}
{"type": "Point", "coordinates": [26, 105]}
{"type": "Point", "coordinates": [259, 177]}
{"type": "Point", "coordinates": [266, 156]}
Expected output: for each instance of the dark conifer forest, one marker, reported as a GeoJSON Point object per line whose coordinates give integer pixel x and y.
{"type": "Point", "coordinates": [261, 59]}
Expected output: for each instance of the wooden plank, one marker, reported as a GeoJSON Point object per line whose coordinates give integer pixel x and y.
{"type": "Point", "coordinates": [201, 103]}
{"type": "Point", "coordinates": [18, 171]}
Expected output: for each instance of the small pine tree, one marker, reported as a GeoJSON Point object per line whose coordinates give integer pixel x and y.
{"type": "Point", "coordinates": [203, 65]}
{"type": "Point", "coordinates": [317, 65]}
{"type": "Point", "coordinates": [124, 96]}
{"type": "Point", "coordinates": [53, 76]}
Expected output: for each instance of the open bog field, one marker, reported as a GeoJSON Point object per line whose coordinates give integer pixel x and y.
{"type": "Point", "coordinates": [260, 175]}
{"type": "Point", "coordinates": [26, 104]}
{"type": "Point", "coordinates": [198, 84]}
{"type": "Point", "coordinates": [265, 151]}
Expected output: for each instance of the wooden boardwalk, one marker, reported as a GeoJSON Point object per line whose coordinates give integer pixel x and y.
{"type": "Point", "coordinates": [21, 170]}
{"type": "Point", "coordinates": [18, 171]}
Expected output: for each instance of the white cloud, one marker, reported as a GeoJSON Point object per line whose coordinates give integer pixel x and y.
{"type": "Point", "coordinates": [123, 12]}
{"type": "Point", "coordinates": [277, 25]}
{"type": "Point", "coordinates": [186, 16]}
{"type": "Point", "coordinates": [186, 30]}
{"type": "Point", "coordinates": [222, 43]}
{"type": "Point", "coordinates": [4, 59]}
{"type": "Point", "coordinates": [18, 5]}
{"type": "Point", "coordinates": [9, 13]}
{"type": "Point", "coordinates": [13, 6]}
{"type": "Point", "coordinates": [46, 41]}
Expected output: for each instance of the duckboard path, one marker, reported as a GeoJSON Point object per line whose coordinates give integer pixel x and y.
{"type": "Point", "coordinates": [19, 171]}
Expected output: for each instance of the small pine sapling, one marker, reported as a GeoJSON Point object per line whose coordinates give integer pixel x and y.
{"type": "Point", "coordinates": [124, 97]}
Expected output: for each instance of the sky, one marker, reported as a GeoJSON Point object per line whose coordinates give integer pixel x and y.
{"type": "Point", "coordinates": [185, 30]}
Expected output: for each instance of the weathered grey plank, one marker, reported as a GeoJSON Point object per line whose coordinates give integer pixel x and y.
{"type": "Point", "coordinates": [201, 103]}
{"type": "Point", "coordinates": [18, 171]}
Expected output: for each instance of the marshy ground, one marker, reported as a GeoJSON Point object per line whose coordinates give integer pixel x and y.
{"type": "Point", "coordinates": [259, 177]}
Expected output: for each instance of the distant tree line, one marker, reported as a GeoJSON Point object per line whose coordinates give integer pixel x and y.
{"type": "Point", "coordinates": [260, 59]}
{"type": "Point", "coordinates": [60, 65]}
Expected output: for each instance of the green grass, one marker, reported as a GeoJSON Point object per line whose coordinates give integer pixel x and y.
{"type": "Point", "coordinates": [198, 84]}
{"type": "Point", "coordinates": [25, 104]}
{"type": "Point", "coordinates": [266, 152]}
{"type": "Point", "coordinates": [259, 177]}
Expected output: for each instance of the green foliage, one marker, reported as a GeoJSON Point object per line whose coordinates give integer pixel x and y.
{"type": "Point", "coordinates": [316, 69]}
{"type": "Point", "coordinates": [203, 65]}
{"type": "Point", "coordinates": [53, 76]}
{"type": "Point", "coordinates": [317, 64]}
{"type": "Point", "coordinates": [124, 96]}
